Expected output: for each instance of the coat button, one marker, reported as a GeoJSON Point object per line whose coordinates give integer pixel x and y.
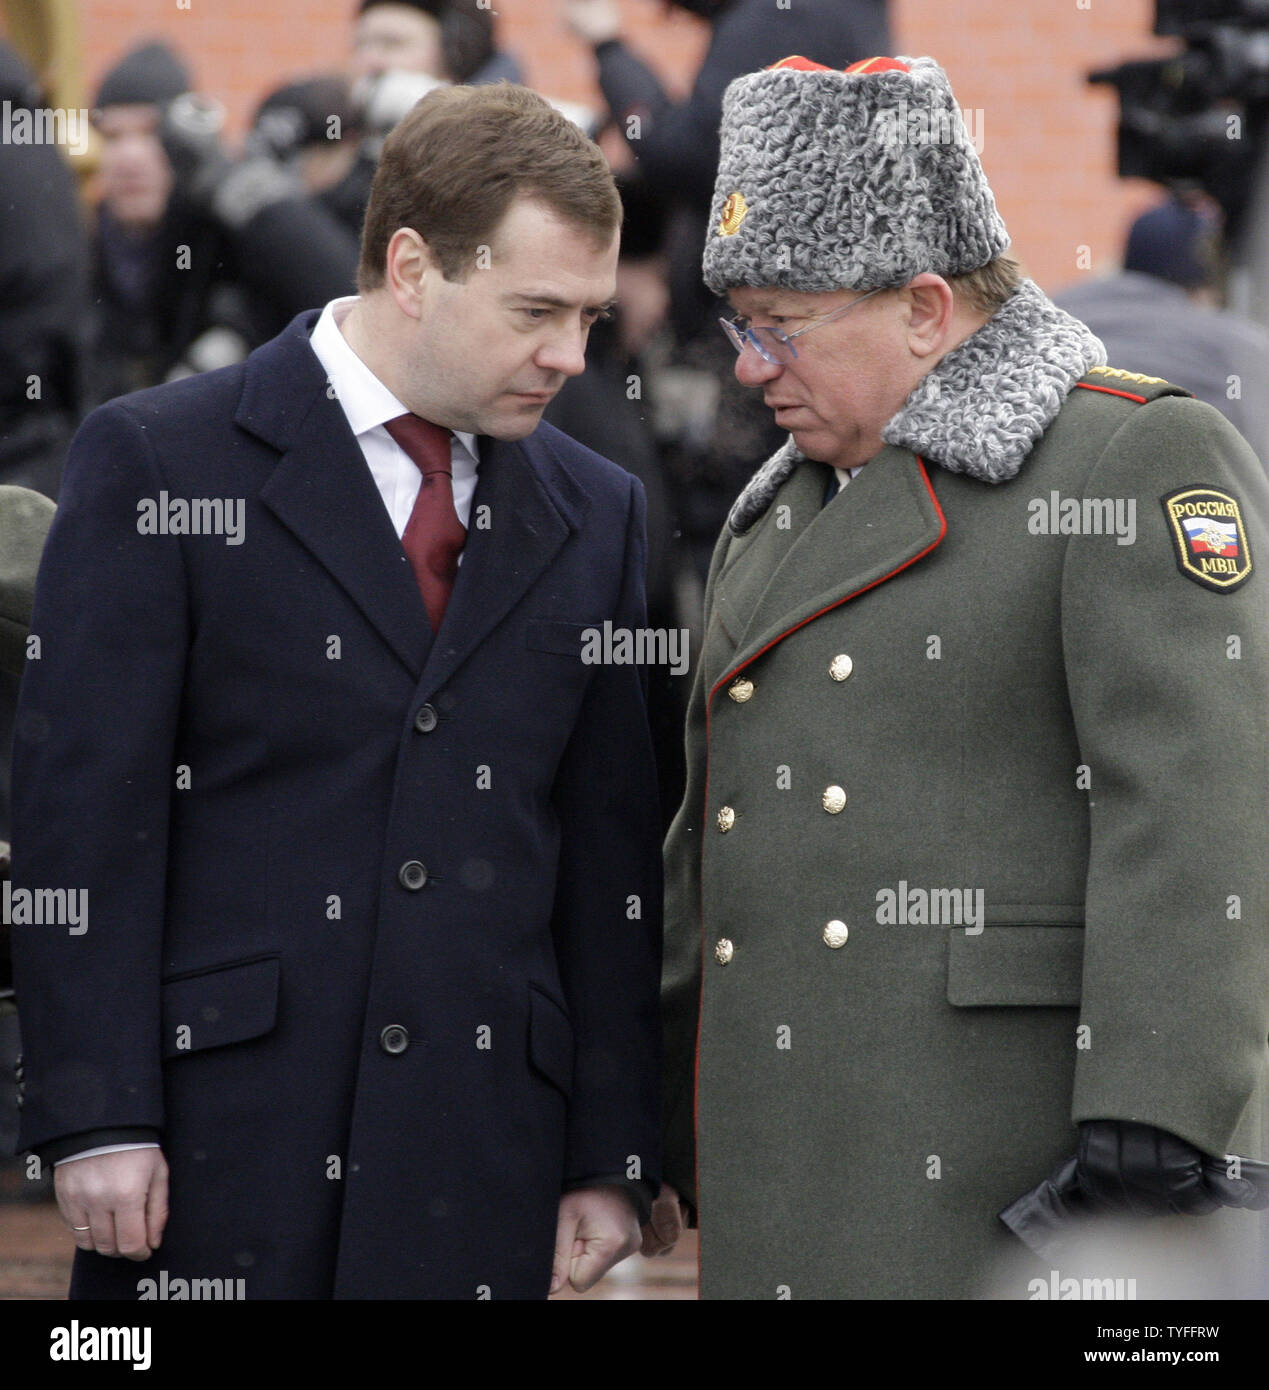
{"type": "Point", "coordinates": [840, 667]}
{"type": "Point", "coordinates": [394, 1039]}
{"type": "Point", "coordinates": [412, 875]}
{"type": "Point", "coordinates": [724, 951]}
{"type": "Point", "coordinates": [741, 690]}
{"type": "Point", "coordinates": [833, 800]}
{"type": "Point", "coordinates": [426, 719]}
{"type": "Point", "coordinates": [835, 935]}
{"type": "Point", "coordinates": [726, 819]}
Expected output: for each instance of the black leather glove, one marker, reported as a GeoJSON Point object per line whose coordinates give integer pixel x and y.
{"type": "Point", "coordinates": [1120, 1166]}
{"type": "Point", "coordinates": [1135, 1168]}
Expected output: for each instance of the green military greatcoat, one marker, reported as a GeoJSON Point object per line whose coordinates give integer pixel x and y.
{"type": "Point", "coordinates": [973, 845]}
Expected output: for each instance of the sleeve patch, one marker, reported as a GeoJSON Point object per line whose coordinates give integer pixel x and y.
{"type": "Point", "coordinates": [1206, 526]}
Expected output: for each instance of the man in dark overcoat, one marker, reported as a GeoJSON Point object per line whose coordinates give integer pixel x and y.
{"type": "Point", "coordinates": [337, 879]}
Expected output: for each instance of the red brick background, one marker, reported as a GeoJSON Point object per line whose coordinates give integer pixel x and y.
{"type": "Point", "coordinates": [1049, 138]}
{"type": "Point", "coordinates": [1049, 146]}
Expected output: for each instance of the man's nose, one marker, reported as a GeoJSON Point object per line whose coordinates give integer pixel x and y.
{"type": "Point", "coordinates": [753, 369]}
{"type": "Point", "coordinates": [566, 352]}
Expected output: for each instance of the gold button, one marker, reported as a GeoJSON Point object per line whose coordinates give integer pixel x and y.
{"type": "Point", "coordinates": [840, 667]}
{"type": "Point", "coordinates": [726, 819]}
{"type": "Point", "coordinates": [833, 800]}
{"type": "Point", "coordinates": [724, 951]}
{"type": "Point", "coordinates": [835, 934]}
{"type": "Point", "coordinates": [741, 690]}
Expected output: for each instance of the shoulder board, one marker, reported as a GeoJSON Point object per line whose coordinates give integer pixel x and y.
{"type": "Point", "coordinates": [1132, 386]}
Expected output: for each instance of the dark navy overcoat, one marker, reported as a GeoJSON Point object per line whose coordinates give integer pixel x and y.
{"type": "Point", "coordinates": [373, 917]}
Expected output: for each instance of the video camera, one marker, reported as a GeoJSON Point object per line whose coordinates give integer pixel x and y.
{"type": "Point", "coordinates": [1201, 117]}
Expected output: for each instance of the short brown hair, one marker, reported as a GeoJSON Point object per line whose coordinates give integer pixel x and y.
{"type": "Point", "coordinates": [987, 288]}
{"type": "Point", "coordinates": [461, 156]}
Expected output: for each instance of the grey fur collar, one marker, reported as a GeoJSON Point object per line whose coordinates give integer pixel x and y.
{"type": "Point", "coordinates": [982, 409]}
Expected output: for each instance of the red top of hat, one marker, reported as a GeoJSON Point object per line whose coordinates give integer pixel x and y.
{"type": "Point", "coordinates": [800, 64]}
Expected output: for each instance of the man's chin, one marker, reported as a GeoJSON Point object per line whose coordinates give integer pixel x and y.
{"type": "Point", "coordinates": [510, 425]}
{"type": "Point", "coordinates": [509, 431]}
{"type": "Point", "coordinates": [813, 444]}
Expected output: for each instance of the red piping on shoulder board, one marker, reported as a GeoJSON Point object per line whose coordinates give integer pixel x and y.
{"type": "Point", "coordinates": [1110, 391]}
{"type": "Point", "coordinates": [709, 701]}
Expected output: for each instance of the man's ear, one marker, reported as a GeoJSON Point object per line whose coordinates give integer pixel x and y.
{"type": "Point", "coordinates": [408, 265]}
{"type": "Point", "coordinates": [931, 306]}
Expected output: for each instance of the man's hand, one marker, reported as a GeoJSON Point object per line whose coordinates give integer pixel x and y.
{"type": "Point", "coordinates": [667, 1224]}
{"type": "Point", "coordinates": [120, 1197]}
{"type": "Point", "coordinates": [598, 1227]}
{"type": "Point", "coordinates": [593, 21]}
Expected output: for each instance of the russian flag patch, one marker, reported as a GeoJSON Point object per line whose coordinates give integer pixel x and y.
{"type": "Point", "coordinates": [1206, 525]}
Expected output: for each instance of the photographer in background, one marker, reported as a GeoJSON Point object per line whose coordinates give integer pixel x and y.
{"type": "Point", "coordinates": [401, 50]}
{"type": "Point", "coordinates": [196, 251]}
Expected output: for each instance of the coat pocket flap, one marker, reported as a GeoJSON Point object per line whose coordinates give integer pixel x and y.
{"type": "Point", "coordinates": [550, 635]}
{"type": "Point", "coordinates": [227, 1004]}
{"type": "Point", "coordinates": [550, 1040]}
{"type": "Point", "coordinates": [1015, 965]}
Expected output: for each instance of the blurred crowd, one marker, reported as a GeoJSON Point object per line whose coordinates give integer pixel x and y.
{"type": "Point", "coordinates": [194, 252]}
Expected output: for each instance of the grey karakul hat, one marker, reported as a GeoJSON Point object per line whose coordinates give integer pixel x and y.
{"type": "Point", "coordinates": [858, 179]}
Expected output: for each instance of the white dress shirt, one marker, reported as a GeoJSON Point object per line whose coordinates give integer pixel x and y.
{"type": "Point", "coordinates": [367, 403]}
{"type": "Point", "coordinates": [843, 477]}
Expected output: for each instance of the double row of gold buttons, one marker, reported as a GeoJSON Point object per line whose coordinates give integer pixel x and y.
{"type": "Point", "coordinates": [832, 799]}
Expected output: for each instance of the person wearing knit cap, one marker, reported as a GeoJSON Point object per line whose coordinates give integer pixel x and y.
{"type": "Point", "coordinates": [195, 250]}
{"type": "Point", "coordinates": [965, 947]}
{"type": "Point", "coordinates": [1163, 311]}
{"type": "Point", "coordinates": [452, 40]}
{"type": "Point", "coordinates": [135, 174]}
{"type": "Point", "coordinates": [146, 76]}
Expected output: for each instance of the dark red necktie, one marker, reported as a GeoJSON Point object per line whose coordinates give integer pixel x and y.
{"type": "Point", "coordinates": [433, 536]}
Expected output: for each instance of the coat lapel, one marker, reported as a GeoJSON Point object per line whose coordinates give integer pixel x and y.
{"type": "Point", "coordinates": [524, 509]}
{"type": "Point", "coordinates": [883, 521]}
{"type": "Point", "coordinates": [525, 506]}
{"type": "Point", "coordinates": [322, 491]}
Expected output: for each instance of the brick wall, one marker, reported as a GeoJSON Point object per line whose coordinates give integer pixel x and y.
{"type": "Point", "coordinates": [1048, 138]}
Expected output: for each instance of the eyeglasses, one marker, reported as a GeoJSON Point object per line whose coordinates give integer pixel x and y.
{"type": "Point", "coordinates": [773, 344]}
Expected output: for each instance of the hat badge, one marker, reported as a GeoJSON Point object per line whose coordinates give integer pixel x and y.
{"type": "Point", "coordinates": [734, 212]}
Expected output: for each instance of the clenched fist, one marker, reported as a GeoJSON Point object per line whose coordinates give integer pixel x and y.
{"type": "Point", "coordinates": [121, 1198]}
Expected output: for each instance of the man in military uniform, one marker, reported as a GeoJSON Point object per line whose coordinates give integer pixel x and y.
{"type": "Point", "coordinates": [969, 879]}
